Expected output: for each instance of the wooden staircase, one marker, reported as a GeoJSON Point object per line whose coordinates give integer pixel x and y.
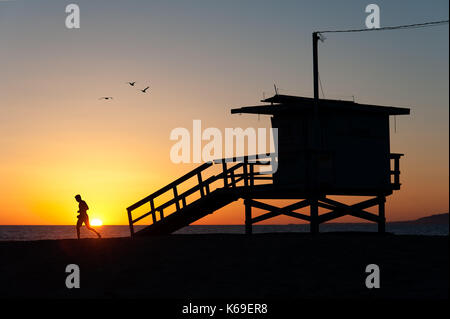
{"type": "Point", "coordinates": [220, 182]}
{"type": "Point", "coordinates": [211, 192]}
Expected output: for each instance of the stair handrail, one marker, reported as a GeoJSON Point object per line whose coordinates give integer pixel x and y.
{"type": "Point", "coordinates": [203, 185]}
{"type": "Point", "coordinates": [164, 189]}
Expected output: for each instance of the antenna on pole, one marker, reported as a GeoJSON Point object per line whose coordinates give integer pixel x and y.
{"type": "Point", "coordinates": [276, 90]}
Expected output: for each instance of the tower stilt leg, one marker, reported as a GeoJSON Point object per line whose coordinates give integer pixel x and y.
{"type": "Point", "coordinates": [381, 214]}
{"type": "Point", "coordinates": [314, 225]}
{"type": "Point", "coordinates": [248, 217]}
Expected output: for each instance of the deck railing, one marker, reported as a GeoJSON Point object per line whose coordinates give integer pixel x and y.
{"type": "Point", "coordinates": [395, 172]}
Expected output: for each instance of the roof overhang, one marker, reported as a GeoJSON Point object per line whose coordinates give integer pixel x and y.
{"type": "Point", "coordinates": [286, 104]}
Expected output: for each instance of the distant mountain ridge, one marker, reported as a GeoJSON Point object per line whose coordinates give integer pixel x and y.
{"type": "Point", "coordinates": [432, 219]}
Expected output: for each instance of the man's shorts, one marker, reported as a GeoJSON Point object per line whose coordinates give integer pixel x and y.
{"type": "Point", "coordinates": [83, 219]}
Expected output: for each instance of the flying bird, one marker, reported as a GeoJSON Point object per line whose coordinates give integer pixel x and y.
{"type": "Point", "coordinates": [144, 90]}
{"type": "Point", "coordinates": [132, 83]}
{"type": "Point", "coordinates": [106, 98]}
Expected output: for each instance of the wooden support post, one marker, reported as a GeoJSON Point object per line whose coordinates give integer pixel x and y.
{"type": "Point", "coordinates": [200, 183]}
{"type": "Point", "coordinates": [152, 209]}
{"type": "Point", "coordinates": [245, 170]}
{"type": "Point", "coordinates": [225, 174]}
{"type": "Point", "coordinates": [381, 214]}
{"type": "Point", "coordinates": [233, 180]}
{"type": "Point", "coordinates": [314, 224]}
{"type": "Point", "coordinates": [252, 175]}
{"type": "Point", "coordinates": [130, 221]}
{"type": "Point", "coordinates": [248, 217]}
{"type": "Point", "coordinates": [397, 172]}
{"type": "Point", "coordinates": [175, 195]}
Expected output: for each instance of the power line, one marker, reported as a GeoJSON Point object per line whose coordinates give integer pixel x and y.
{"type": "Point", "coordinates": [318, 35]}
{"type": "Point", "coordinates": [407, 26]}
{"type": "Point", "coordinates": [321, 87]}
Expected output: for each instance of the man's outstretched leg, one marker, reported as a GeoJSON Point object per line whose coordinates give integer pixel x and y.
{"type": "Point", "coordinates": [88, 226]}
{"type": "Point", "coordinates": [92, 229]}
{"type": "Point", "coordinates": [79, 223]}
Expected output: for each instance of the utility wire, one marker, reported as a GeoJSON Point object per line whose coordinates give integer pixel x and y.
{"type": "Point", "coordinates": [398, 27]}
{"type": "Point", "coordinates": [407, 26]}
{"type": "Point", "coordinates": [320, 82]}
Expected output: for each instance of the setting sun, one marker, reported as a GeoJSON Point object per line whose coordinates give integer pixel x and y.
{"type": "Point", "coordinates": [96, 222]}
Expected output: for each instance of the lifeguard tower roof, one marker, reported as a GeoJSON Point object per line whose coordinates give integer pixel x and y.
{"type": "Point", "coordinates": [297, 104]}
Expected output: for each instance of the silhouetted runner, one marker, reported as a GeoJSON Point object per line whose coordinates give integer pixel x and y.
{"type": "Point", "coordinates": [83, 217]}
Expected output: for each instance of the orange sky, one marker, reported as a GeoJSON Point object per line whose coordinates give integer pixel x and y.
{"type": "Point", "coordinates": [57, 139]}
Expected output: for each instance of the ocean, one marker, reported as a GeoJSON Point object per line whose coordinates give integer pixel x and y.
{"type": "Point", "coordinates": [28, 233]}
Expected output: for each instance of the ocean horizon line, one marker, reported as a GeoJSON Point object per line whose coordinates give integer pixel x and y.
{"type": "Point", "coordinates": [255, 225]}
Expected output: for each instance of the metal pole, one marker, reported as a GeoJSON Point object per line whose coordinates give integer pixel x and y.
{"type": "Point", "coordinates": [315, 121]}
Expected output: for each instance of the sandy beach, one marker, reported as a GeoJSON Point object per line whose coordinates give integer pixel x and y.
{"type": "Point", "coordinates": [282, 265]}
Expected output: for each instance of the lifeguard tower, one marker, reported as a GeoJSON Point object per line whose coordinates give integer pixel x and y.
{"type": "Point", "coordinates": [325, 148]}
{"type": "Point", "coordinates": [330, 147]}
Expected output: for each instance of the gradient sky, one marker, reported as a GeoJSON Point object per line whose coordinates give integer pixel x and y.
{"type": "Point", "coordinates": [201, 58]}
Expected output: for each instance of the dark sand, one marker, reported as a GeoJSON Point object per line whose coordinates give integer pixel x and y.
{"type": "Point", "coordinates": [286, 265]}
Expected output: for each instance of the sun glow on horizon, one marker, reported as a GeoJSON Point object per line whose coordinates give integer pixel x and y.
{"type": "Point", "coordinates": [96, 222]}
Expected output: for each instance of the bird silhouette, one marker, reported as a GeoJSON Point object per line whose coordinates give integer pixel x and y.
{"type": "Point", "coordinates": [106, 98]}
{"type": "Point", "coordinates": [132, 83]}
{"type": "Point", "coordinates": [144, 90]}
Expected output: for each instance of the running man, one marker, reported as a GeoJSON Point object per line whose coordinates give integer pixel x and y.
{"type": "Point", "coordinates": [83, 217]}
